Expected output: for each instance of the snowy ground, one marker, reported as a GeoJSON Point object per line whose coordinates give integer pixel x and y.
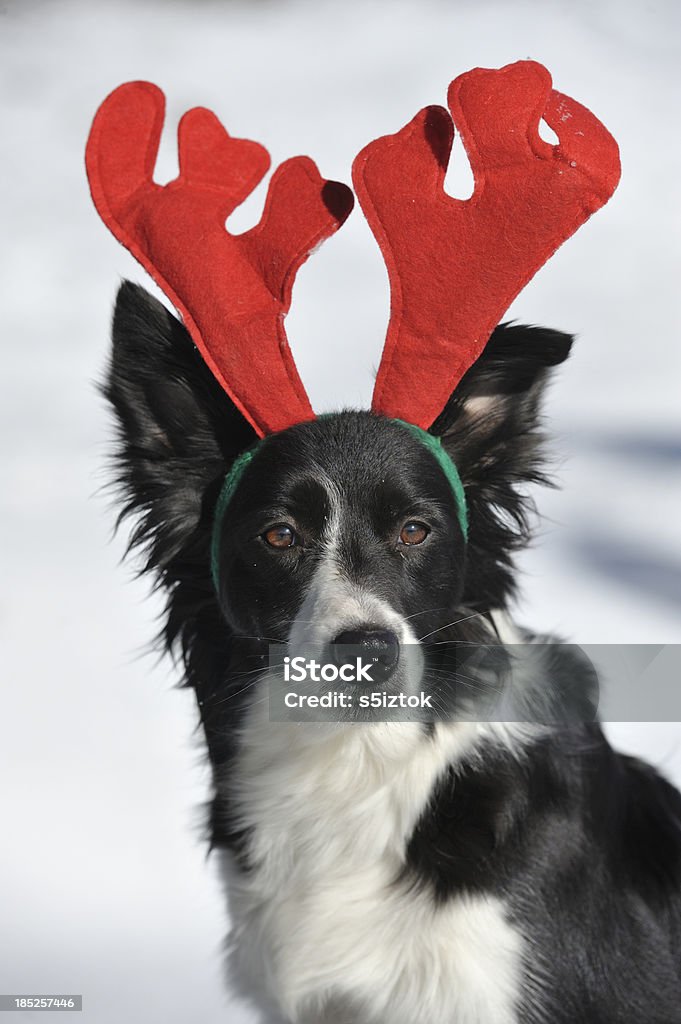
{"type": "Point", "coordinates": [104, 885]}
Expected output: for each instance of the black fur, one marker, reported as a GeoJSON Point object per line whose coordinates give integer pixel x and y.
{"type": "Point", "coordinates": [583, 843]}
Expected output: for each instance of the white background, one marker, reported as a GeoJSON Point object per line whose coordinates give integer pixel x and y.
{"type": "Point", "coordinates": [105, 888]}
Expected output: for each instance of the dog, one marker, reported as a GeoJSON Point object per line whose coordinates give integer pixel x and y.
{"type": "Point", "coordinates": [455, 871]}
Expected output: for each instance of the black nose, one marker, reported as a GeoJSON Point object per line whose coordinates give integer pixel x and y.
{"type": "Point", "coordinates": [380, 648]}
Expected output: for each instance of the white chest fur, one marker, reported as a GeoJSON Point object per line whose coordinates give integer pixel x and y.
{"type": "Point", "coordinates": [321, 923]}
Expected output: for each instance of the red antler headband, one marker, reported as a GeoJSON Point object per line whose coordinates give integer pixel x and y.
{"type": "Point", "coordinates": [454, 266]}
{"type": "Point", "coordinates": [233, 292]}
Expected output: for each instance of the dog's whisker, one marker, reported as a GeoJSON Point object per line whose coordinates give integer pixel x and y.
{"type": "Point", "coordinates": [426, 611]}
{"type": "Point", "coordinates": [448, 625]}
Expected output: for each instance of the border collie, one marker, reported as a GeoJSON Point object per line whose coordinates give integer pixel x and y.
{"type": "Point", "coordinates": [451, 872]}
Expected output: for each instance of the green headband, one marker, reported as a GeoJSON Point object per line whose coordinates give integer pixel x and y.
{"type": "Point", "coordinates": [434, 446]}
{"type": "Point", "coordinates": [429, 441]}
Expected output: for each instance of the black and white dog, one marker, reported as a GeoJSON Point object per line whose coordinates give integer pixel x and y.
{"type": "Point", "coordinates": [397, 872]}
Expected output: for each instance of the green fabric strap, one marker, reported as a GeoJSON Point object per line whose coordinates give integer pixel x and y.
{"type": "Point", "coordinates": [228, 488]}
{"type": "Point", "coordinates": [429, 441]}
{"type": "Point", "coordinates": [434, 446]}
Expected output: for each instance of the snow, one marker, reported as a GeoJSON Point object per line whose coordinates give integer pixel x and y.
{"type": "Point", "coordinates": [105, 887]}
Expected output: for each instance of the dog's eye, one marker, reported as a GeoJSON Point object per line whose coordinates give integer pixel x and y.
{"type": "Point", "coordinates": [280, 536]}
{"type": "Point", "coordinates": [413, 533]}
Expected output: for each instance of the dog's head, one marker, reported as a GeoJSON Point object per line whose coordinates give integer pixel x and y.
{"type": "Point", "coordinates": [344, 529]}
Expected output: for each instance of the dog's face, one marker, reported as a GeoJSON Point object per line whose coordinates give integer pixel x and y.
{"type": "Point", "coordinates": [339, 525]}
{"type": "Point", "coordinates": [340, 530]}
{"type": "Point", "coordinates": [343, 532]}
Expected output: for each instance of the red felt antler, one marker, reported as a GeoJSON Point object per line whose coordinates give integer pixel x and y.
{"type": "Point", "coordinates": [232, 291]}
{"type": "Point", "coordinates": [455, 266]}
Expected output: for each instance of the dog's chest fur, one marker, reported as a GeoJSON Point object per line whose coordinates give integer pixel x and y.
{"type": "Point", "coordinates": [325, 912]}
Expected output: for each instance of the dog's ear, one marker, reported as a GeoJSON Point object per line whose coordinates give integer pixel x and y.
{"type": "Point", "coordinates": [491, 429]}
{"type": "Point", "coordinates": [492, 416]}
{"type": "Point", "coordinates": [178, 432]}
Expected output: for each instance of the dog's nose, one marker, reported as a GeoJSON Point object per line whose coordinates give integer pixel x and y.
{"type": "Point", "coordinates": [380, 648]}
